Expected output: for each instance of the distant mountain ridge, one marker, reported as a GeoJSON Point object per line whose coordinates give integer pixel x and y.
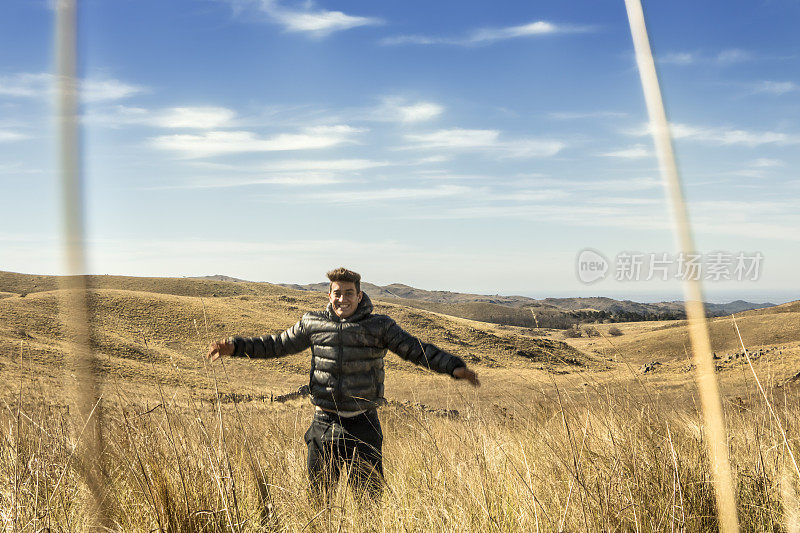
{"type": "Point", "coordinates": [523, 307]}
{"type": "Point", "coordinates": [599, 303]}
{"type": "Point", "coordinates": [506, 310]}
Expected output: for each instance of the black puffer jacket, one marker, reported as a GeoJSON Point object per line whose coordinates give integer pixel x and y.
{"type": "Point", "coordinates": [347, 354]}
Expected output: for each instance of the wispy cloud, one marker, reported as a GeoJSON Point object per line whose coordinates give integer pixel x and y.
{"type": "Point", "coordinates": [172, 117]}
{"type": "Point", "coordinates": [750, 173]}
{"type": "Point", "coordinates": [10, 136]}
{"type": "Point", "coordinates": [763, 162]}
{"type": "Point", "coordinates": [458, 138]}
{"type": "Point", "coordinates": [338, 165]}
{"type": "Point", "coordinates": [398, 109]}
{"type": "Point", "coordinates": [294, 179]}
{"type": "Point", "coordinates": [288, 172]}
{"type": "Point", "coordinates": [724, 136]}
{"type": "Point", "coordinates": [294, 165]}
{"type": "Point", "coordinates": [726, 57]}
{"type": "Point", "coordinates": [677, 58]}
{"type": "Point", "coordinates": [364, 195]}
{"type": "Point", "coordinates": [307, 17]}
{"type": "Point", "coordinates": [758, 168]}
{"type": "Point", "coordinates": [214, 143]}
{"type": "Point", "coordinates": [418, 112]}
{"type": "Point", "coordinates": [777, 88]}
{"type": "Point", "coordinates": [607, 185]}
{"type": "Point", "coordinates": [732, 56]}
{"type": "Point", "coordinates": [569, 115]}
{"type": "Point", "coordinates": [638, 151]}
{"type": "Point", "coordinates": [724, 217]}
{"type": "Point", "coordinates": [490, 35]}
{"type": "Point", "coordinates": [33, 85]}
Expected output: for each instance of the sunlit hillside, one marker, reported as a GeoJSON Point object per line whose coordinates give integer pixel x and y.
{"type": "Point", "coordinates": [594, 433]}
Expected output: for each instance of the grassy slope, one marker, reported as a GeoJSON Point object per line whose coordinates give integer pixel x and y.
{"type": "Point", "coordinates": [150, 330]}
{"type": "Point", "coordinates": [509, 463]}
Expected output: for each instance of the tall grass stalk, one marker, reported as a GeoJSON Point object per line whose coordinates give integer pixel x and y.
{"type": "Point", "coordinates": [710, 402]}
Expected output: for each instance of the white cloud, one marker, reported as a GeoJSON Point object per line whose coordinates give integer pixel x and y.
{"type": "Point", "coordinates": [608, 185]}
{"type": "Point", "coordinates": [766, 163]}
{"type": "Point", "coordinates": [568, 115]}
{"type": "Point", "coordinates": [750, 173]}
{"type": "Point", "coordinates": [638, 151]}
{"type": "Point", "coordinates": [490, 35]}
{"type": "Point", "coordinates": [195, 117]}
{"type": "Point", "coordinates": [100, 90]}
{"type": "Point", "coordinates": [624, 200]}
{"type": "Point", "coordinates": [362, 195]}
{"type": "Point", "coordinates": [776, 87]}
{"type": "Point", "coordinates": [730, 56]}
{"type": "Point", "coordinates": [677, 58]}
{"type": "Point", "coordinates": [289, 172]}
{"type": "Point", "coordinates": [309, 19]}
{"type": "Point", "coordinates": [341, 165]}
{"type": "Point", "coordinates": [295, 165]}
{"type": "Point", "coordinates": [724, 136]}
{"type": "Point", "coordinates": [295, 179]}
{"type": "Point", "coordinates": [594, 215]}
{"type": "Point", "coordinates": [10, 136]}
{"type": "Point", "coordinates": [201, 117]}
{"type": "Point", "coordinates": [733, 55]}
{"type": "Point", "coordinates": [727, 136]}
{"type": "Point", "coordinates": [458, 138]}
{"type": "Point", "coordinates": [528, 195]}
{"type": "Point", "coordinates": [230, 142]}
{"type": "Point", "coordinates": [419, 112]}
{"type": "Point", "coordinates": [758, 168]}
{"type": "Point", "coordinates": [26, 85]}
{"type": "Point", "coordinates": [33, 85]}
{"type": "Point", "coordinates": [401, 110]}
{"type": "Point", "coordinates": [434, 159]}
{"type": "Point", "coordinates": [726, 218]}
{"type": "Point", "coordinates": [531, 148]}
{"type": "Point", "coordinates": [539, 27]}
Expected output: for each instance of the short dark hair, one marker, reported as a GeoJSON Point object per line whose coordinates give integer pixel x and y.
{"type": "Point", "coordinates": [342, 274]}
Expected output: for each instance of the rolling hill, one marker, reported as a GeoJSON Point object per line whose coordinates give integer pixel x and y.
{"type": "Point", "coordinates": [154, 330]}
{"type": "Point", "coordinates": [530, 312]}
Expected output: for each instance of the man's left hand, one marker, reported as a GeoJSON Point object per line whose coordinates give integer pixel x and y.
{"type": "Point", "coordinates": [465, 373]}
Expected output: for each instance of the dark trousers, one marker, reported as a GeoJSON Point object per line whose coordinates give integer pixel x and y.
{"type": "Point", "coordinates": [334, 441]}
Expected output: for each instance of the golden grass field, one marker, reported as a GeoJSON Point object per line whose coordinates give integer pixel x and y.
{"type": "Point", "coordinates": [564, 434]}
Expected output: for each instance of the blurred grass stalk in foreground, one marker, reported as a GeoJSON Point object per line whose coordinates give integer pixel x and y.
{"type": "Point", "coordinates": [708, 388]}
{"type": "Point", "coordinates": [88, 444]}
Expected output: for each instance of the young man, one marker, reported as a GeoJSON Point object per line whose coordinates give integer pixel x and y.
{"type": "Point", "coordinates": [348, 343]}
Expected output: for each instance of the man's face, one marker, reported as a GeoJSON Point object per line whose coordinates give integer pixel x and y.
{"type": "Point", "coordinates": [344, 298]}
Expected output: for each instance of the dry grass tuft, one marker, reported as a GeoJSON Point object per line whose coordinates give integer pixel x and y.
{"type": "Point", "coordinates": [563, 464]}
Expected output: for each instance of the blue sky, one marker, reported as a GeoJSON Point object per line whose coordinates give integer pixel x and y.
{"type": "Point", "coordinates": [466, 146]}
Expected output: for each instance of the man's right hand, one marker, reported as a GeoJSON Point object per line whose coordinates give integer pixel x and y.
{"type": "Point", "coordinates": [220, 347]}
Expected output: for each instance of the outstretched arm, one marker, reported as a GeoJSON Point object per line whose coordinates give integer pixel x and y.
{"type": "Point", "coordinates": [292, 340]}
{"type": "Point", "coordinates": [424, 354]}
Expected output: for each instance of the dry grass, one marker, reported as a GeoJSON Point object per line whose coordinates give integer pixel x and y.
{"type": "Point", "coordinates": [615, 463]}
{"type": "Point", "coordinates": [544, 445]}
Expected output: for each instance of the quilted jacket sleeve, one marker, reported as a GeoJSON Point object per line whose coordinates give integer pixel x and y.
{"type": "Point", "coordinates": [293, 340]}
{"type": "Point", "coordinates": [420, 353]}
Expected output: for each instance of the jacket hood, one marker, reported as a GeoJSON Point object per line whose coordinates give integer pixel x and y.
{"type": "Point", "coordinates": [362, 311]}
